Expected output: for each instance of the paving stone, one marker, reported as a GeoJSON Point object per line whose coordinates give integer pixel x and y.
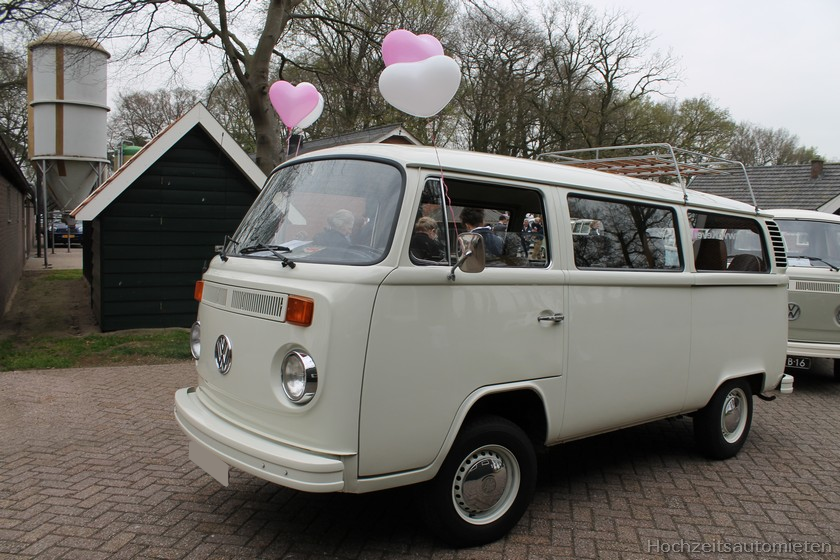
{"type": "Point", "coordinates": [93, 465]}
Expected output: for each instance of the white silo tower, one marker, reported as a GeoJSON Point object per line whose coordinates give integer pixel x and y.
{"type": "Point", "coordinates": [67, 93]}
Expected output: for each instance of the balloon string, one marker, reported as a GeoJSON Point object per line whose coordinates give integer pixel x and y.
{"type": "Point", "coordinates": [443, 179]}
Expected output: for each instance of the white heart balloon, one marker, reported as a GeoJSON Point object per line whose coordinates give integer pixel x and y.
{"type": "Point", "coordinates": [313, 116]}
{"type": "Point", "coordinates": [421, 88]}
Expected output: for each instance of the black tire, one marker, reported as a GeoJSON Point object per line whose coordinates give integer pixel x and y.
{"type": "Point", "coordinates": [489, 451]}
{"type": "Point", "coordinates": [722, 426]}
{"type": "Point", "coordinates": [837, 370]}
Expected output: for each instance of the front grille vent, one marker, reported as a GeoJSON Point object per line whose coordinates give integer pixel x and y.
{"type": "Point", "coordinates": [819, 287]}
{"type": "Point", "coordinates": [258, 303]}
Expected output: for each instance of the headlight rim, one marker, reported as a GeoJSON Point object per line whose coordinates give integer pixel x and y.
{"type": "Point", "coordinates": [310, 374]}
{"type": "Point", "coordinates": [195, 340]}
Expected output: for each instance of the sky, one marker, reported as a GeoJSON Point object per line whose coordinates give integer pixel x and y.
{"type": "Point", "coordinates": [772, 63]}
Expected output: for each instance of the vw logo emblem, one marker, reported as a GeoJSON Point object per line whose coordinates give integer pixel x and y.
{"type": "Point", "coordinates": [793, 312]}
{"type": "Point", "coordinates": [223, 354]}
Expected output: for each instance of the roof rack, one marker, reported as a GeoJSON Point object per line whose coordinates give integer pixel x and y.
{"type": "Point", "coordinates": [650, 161]}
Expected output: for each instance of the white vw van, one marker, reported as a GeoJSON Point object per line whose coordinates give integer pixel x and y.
{"type": "Point", "coordinates": [339, 351]}
{"type": "Point", "coordinates": [813, 250]}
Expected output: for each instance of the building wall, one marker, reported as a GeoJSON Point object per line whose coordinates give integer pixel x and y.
{"type": "Point", "coordinates": [150, 245]}
{"type": "Point", "coordinates": [14, 242]}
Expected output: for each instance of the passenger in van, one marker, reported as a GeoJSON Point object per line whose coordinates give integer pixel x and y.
{"type": "Point", "coordinates": [498, 251]}
{"type": "Point", "coordinates": [424, 241]}
{"type": "Point", "coordinates": [338, 230]}
{"type": "Point", "coordinates": [473, 220]}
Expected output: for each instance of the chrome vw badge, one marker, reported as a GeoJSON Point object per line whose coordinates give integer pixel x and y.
{"type": "Point", "coordinates": [223, 354]}
{"type": "Point", "coordinates": [793, 312]}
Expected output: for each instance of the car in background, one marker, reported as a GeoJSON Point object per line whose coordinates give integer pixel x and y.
{"type": "Point", "coordinates": [62, 234]}
{"type": "Point", "coordinates": [812, 242]}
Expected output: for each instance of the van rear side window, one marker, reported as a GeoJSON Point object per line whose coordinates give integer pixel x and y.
{"type": "Point", "coordinates": [619, 235]}
{"type": "Point", "coordinates": [727, 243]}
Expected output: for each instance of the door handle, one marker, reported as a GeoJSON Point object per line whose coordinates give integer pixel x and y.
{"type": "Point", "coordinates": [554, 318]}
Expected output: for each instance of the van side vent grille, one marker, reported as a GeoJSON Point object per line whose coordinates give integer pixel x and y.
{"type": "Point", "coordinates": [821, 287]}
{"type": "Point", "coordinates": [779, 251]}
{"type": "Point", "coordinates": [257, 303]}
{"type": "Point", "coordinates": [214, 294]}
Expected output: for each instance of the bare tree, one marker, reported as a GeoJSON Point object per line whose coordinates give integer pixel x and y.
{"type": "Point", "coordinates": [13, 110]}
{"type": "Point", "coordinates": [245, 34]}
{"type": "Point", "coordinates": [499, 56]}
{"type": "Point", "coordinates": [336, 46]}
{"type": "Point", "coordinates": [139, 116]}
{"type": "Point", "coordinates": [756, 146]}
{"type": "Point", "coordinates": [601, 66]}
{"type": "Point", "coordinates": [226, 102]}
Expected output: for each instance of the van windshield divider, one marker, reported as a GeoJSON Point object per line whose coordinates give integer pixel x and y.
{"type": "Point", "coordinates": [650, 161]}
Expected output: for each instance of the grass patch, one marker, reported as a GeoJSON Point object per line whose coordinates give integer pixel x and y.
{"type": "Point", "coordinates": [60, 275]}
{"type": "Point", "coordinates": [158, 346]}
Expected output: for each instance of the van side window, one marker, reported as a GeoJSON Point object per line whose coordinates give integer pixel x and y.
{"type": "Point", "coordinates": [511, 220]}
{"type": "Point", "coordinates": [617, 234]}
{"type": "Point", "coordinates": [727, 243]}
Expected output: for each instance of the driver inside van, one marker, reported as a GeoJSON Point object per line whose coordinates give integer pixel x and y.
{"type": "Point", "coordinates": [338, 230]}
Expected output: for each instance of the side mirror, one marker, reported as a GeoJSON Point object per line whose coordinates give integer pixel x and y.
{"type": "Point", "coordinates": [470, 254]}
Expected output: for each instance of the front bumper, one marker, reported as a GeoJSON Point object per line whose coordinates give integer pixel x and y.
{"type": "Point", "coordinates": [266, 459]}
{"type": "Point", "coordinates": [813, 349]}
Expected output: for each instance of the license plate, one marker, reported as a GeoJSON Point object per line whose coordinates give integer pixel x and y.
{"type": "Point", "coordinates": [209, 463]}
{"type": "Point", "coordinates": [797, 362]}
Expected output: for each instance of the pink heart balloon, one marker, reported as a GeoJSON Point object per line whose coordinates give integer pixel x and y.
{"type": "Point", "coordinates": [293, 103]}
{"type": "Point", "coordinates": [402, 45]}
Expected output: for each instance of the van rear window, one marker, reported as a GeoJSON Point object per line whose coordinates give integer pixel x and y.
{"type": "Point", "coordinates": [727, 243]}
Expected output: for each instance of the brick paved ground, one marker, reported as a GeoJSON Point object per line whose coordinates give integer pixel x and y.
{"type": "Point", "coordinates": [93, 465]}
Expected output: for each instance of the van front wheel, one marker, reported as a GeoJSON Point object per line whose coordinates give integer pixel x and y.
{"type": "Point", "coordinates": [484, 485]}
{"type": "Point", "coordinates": [722, 426]}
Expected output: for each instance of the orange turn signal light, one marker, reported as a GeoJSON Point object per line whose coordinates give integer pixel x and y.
{"type": "Point", "coordinates": [299, 310]}
{"type": "Point", "coordinates": [199, 290]}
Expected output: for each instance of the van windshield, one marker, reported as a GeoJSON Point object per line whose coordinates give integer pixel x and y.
{"type": "Point", "coordinates": [811, 243]}
{"type": "Point", "coordinates": [336, 211]}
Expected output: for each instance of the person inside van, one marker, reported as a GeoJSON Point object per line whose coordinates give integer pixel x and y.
{"type": "Point", "coordinates": [338, 230]}
{"type": "Point", "coordinates": [424, 242]}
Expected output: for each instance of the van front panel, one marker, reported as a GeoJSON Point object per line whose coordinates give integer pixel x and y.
{"type": "Point", "coordinates": [250, 394]}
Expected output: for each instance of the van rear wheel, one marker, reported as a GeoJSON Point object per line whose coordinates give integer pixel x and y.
{"type": "Point", "coordinates": [484, 485]}
{"type": "Point", "coordinates": [722, 426]}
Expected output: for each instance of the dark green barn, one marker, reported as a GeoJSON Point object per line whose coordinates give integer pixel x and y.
{"type": "Point", "coordinates": [152, 226]}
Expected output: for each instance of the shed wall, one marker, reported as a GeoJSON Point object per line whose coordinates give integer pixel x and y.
{"type": "Point", "coordinates": [151, 244]}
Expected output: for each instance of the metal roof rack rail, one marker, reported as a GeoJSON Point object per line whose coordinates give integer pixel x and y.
{"type": "Point", "coordinates": [649, 161]}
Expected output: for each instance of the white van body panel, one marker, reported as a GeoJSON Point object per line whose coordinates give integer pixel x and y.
{"type": "Point", "coordinates": [412, 367]}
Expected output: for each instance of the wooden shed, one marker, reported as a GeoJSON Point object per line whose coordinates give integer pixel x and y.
{"type": "Point", "coordinates": [152, 226]}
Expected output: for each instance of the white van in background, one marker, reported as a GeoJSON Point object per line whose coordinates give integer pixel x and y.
{"type": "Point", "coordinates": [813, 250]}
{"type": "Point", "coordinates": [361, 331]}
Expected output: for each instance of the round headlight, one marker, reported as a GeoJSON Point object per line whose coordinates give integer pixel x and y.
{"type": "Point", "coordinates": [195, 340]}
{"type": "Point", "coordinates": [299, 377]}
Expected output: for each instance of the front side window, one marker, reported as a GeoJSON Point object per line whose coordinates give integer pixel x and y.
{"type": "Point", "coordinates": [336, 211]}
{"type": "Point", "coordinates": [727, 243]}
{"type": "Point", "coordinates": [811, 243]}
{"type": "Point", "coordinates": [451, 207]}
{"type": "Point", "coordinates": [613, 234]}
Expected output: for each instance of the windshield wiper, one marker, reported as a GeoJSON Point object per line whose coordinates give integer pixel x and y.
{"type": "Point", "coordinates": [833, 267]}
{"type": "Point", "coordinates": [222, 253]}
{"type": "Point", "coordinates": [273, 249]}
